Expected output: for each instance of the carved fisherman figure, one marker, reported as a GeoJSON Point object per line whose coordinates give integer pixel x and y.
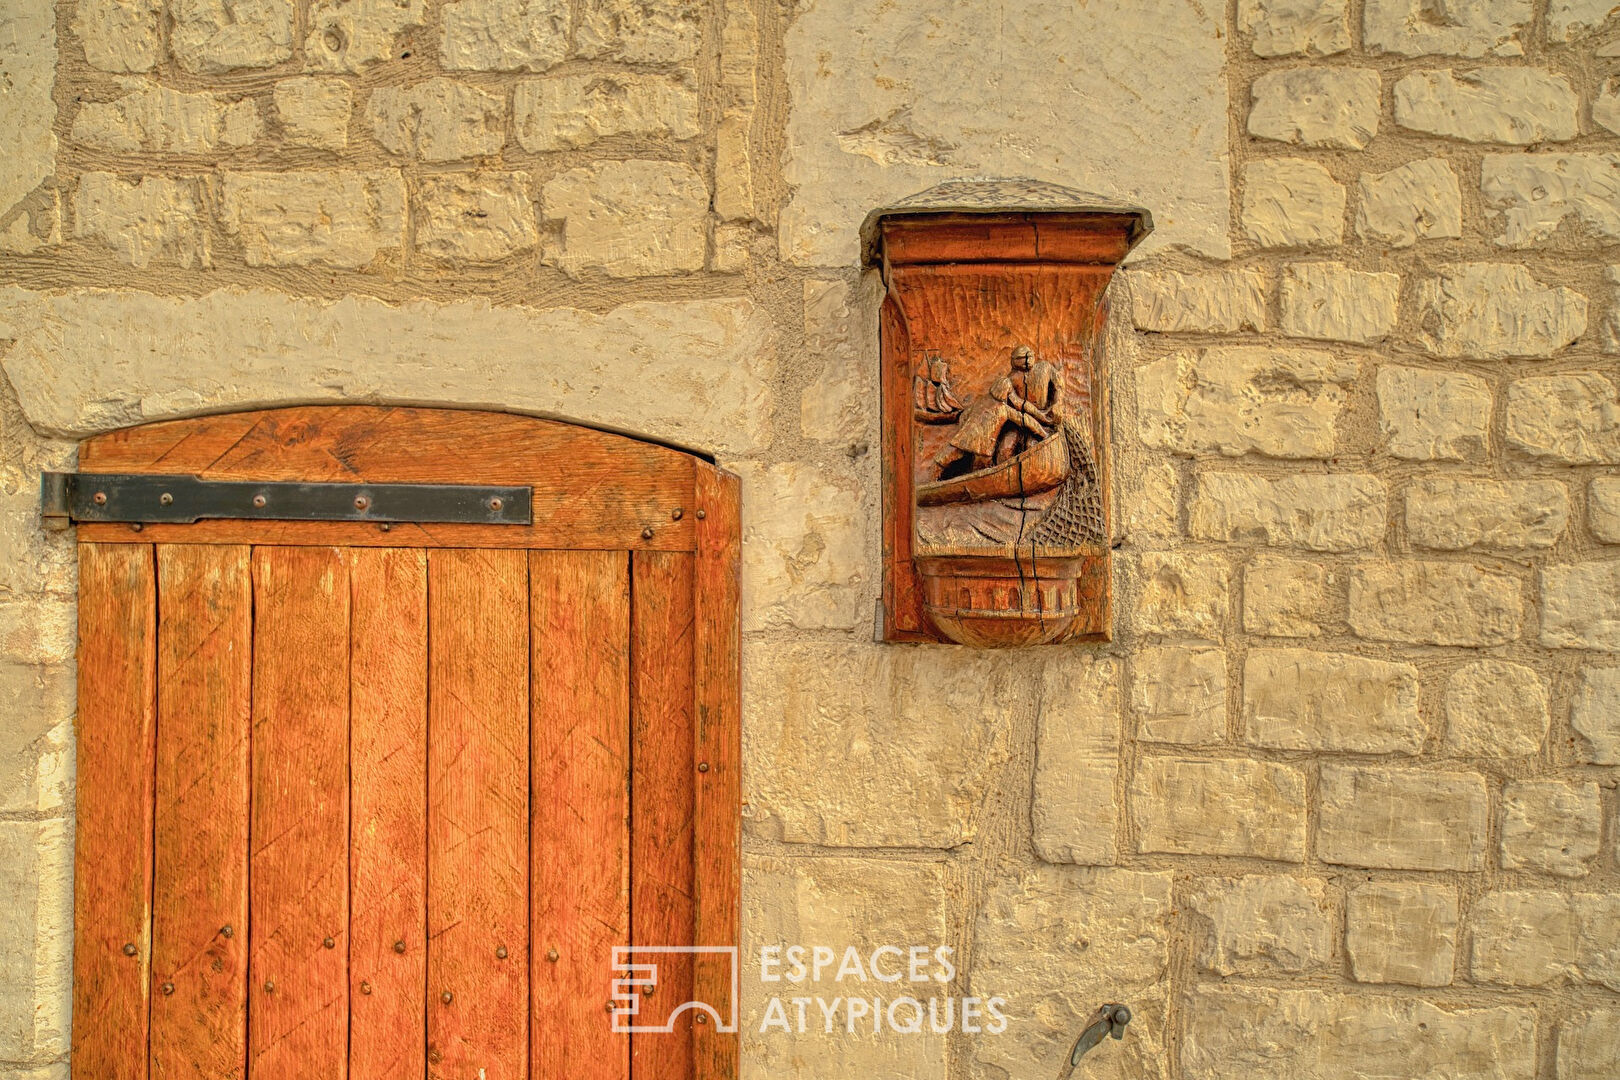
{"type": "Point", "coordinates": [979, 432]}
{"type": "Point", "coordinates": [1039, 386]}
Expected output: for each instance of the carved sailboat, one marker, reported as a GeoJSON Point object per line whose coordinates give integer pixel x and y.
{"type": "Point", "coordinates": [1040, 468]}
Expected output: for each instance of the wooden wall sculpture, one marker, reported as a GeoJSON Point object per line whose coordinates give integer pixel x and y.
{"type": "Point", "coordinates": [995, 410]}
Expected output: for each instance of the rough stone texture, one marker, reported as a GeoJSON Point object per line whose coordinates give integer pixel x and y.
{"type": "Point", "coordinates": [1077, 761]}
{"type": "Point", "coordinates": [351, 35]}
{"type": "Point", "coordinates": [1316, 107]}
{"type": "Point", "coordinates": [1543, 195]}
{"type": "Point", "coordinates": [1316, 512]}
{"type": "Point", "coordinates": [1523, 938]}
{"type": "Point", "coordinates": [1297, 699]}
{"type": "Point", "coordinates": [1606, 106]}
{"type": "Point", "coordinates": [1435, 603]}
{"type": "Point", "coordinates": [640, 31]}
{"type": "Point", "coordinates": [1452, 515]}
{"type": "Point", "coordinates": [1401, 932]}
{"type": "Point", "coordinates": [739, 89]}
{"type": "Point", "coordinates": [1212, 302]}
{"type": "Point", "coordinates": [1401, 819]}
{"type": "Point", "coordinates": [36, 938]}
{"type": "Point", "coordinates": [628, 219]}
{"type": "Point", "coordinates": [1285, 597]}
{"type": "Point", "coordinates": [1495, 709]}
{"type": "Point", "coordinates": [1433, 415]}
{"type": "Point", "coordinates": [1413, 28]}
{"type": "Point", "coordinates": [1569, 20]}
{"type": "Point", "coordinates": [1237, 400]}
{"type": "Point", "coordinates": [1261, 924]}
{"type": "Point", "coordinates": [1421, 200]}
{"type": "Point", "coordinates": [566, 112]}
{"type": "Point", "coordinates": [36, 630]}
{"type": "Point", "coordinates": [314, 112]}
{"type": "Point", "coordinates": [1513, 105]}
{"type": "Point", "coordinates": [1331, 302]}
{"type": "Point", "coordinates": [36, 740]}
{"type": "Point", "coordinates": [157, 120]}
{"type": "Point", "coordinates": [478, 217]}
{"type": "Point", "coordinates": [1219, 806]}
{"type": "Point", "coordinates": [804, 548]}
{"type": "Point", "coordinates": [1589, 1045]}
{"type": "Point", "coordinates": [1295, 27]}
{"type": "Point", "coordinates": [1603, 508]}
{"type": "Point", "coordinates": [842, 346]}
{"type": "Point", "coordinates": [120, 35]}
{"type": "Point", "coordinates": [1055, 941]}
{"type": "Point", "coordinates": [1580, 606]}
{"type": "Point", "coordinates": [1179, 695]}
{"type": "Point", "coordinates": [212, 36]}
{"type": "Point", "coordinates": [1595, 715]}
{"type": "Point", "coordinates": [438, 120]}
{"type": "Point", "coordinates": [917, 735]}
{"type": "Point", "coordinates": [1571, 419]}
{"type": "Point", "coordinates": [1291, 202]}
{"type": "Point", "coordinates": [504, 35]}
{"type": "Point", "coordinates": [1487, 311]}
{"type": "Point", "coordinates": [1152, 497]}
{"type": "Point", "coordinates": [155, 218]}
{"type": "Point", "coordinates": [694, 372]}
{"type": "Point", "coordinates": [1182, 595]}
{"type": "Point", "coordinates": [330, 217]}
{"type": "Point", "coordinates": [1551, 826]}
{"type": "Point", "coordinates": [876, 111]}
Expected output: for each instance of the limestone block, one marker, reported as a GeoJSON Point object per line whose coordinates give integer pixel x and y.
{"type": "Point", "coordinates": [1589, 1045]}
{"type": "Point", "coordinates": [1452, 515]}
{"type": "Point", "coordinates": [1260, 924]}
{"type": "Point", "coordinates": [1571, 419]}
{"type": "Point", "coordinates": [1210, 302]}
{"type": "Point", "coordinates": [1295, 27]}
{"type": "Point", "coordinates": [1428, 415]}
{"type": "Point", "coordinates": [1603, 508]}
{"type": "Point", "coordinates": [208, 37]}
{"type": "Point", "coordinates": [36, 630]}
{"type": "Point", "coordinates": [27, 108]}
{"type": "Point", "coordinates": [861, 745]}
{"type": "Point", "coordinates": [1151, 495]}
{"type": "Point", "coordinates": [504, 35]}
{"type": "Point", "coordinates": [1495, 709]}
{"type": "Point", "coordinates": [1606, 105]}
{"type": "Point", "coordinates": [1523, 938]}
{"type": "Point", "coordinates": [1297, 699]}
{"type": "Point", "coordinates": [326, 216]}
{"type": "Point", "coordinates": [628, 219]}
{"type": "Point", "coordinates": [841, 342]}
{"type": "Point", "coordinates": [36, 938]}
{"type": "Point", "coordinates": [1292, 202]}
{"type": "Point", "coordinates": [739, 97]}
{"type": "Point", "coordinates": [1401, 932]}
{"type": "Point", "coordinates": [478, 217]}
{"type": "Point", "coordinates": [566, 112]}
{"type": "Point", "coordinates": [157, 120]}
{"type": "Point", "coordinates": [1077, 761]}
{"type": "Point", "coordinates": [1285, 597]}
{"type": "Point", "coordinates": [1513, 105]}
{"type": "Point", "coordinates": [1312, 511]}
{"type": "Point", "coordinates": [1235, 400]}
{"type": "Point", "coordinates": [1181, 595]}
{"type": "Point", "coordinates": [885, 100]}
{"type": "Point", "coordinates": [1435, 603]}
{"type": "Point", "coordinates": [314, 112]}
{"type": "Point", "coordinates": [640, 31]}
{"type": "Point", "coordinates": [694, 373]}
{"type": "Point", "coordinates": [36, 737]}
{"type": "Point", "coordinates": [119, 35]}
{"type": "Point", "coordinates": [438, 120]}
{"type": "Point", "coordinates": [1417, 201]}
{"type": "Point", "coordinates": [1330, 302]}
{"type": "Point", "coordinates": [1179, 694]}
{"type": "Point", "coordinates": [1569, 20]}
{"type": "Point", "coordinates": [1543, 196]}
{"type": "Point", "coordinates": [1595, 715]}
{"type": "Point", "coordinates": [351, 35]}
{"type": "Point", "coordinates": [1551, 826]}
{"type": "Point", "coordinates": [733, 247]}
{"type": "Point", "coordinates": [1316, 107]}
{"type": "Point", "coordinates": [804, 548]}
{"type": "Point", "coordinates": [1580, 606]}
{"type": "Point", "coordinates": [1401, 819]}
{"type": "Point", "coordinates": [1597, 941]}
{"type": "Point", "coordinates": [1215, 806]}
{"type": "Point", "coordinates": [154, 218]}
{"type": "Point", "coordinates": [1413, 28]}
{"type": "Point", "coordinates": [1487, 311]}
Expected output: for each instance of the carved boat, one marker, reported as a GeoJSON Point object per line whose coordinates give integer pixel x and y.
{"type": "Point", "coordinates": [1040, 468]}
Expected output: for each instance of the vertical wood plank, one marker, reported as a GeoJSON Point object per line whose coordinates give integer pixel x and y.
{"type": "Point", "coordinates": [113, 854]}
{"type": "Point", "coordinates": [580, 641]}
{"type": "Point", "coordinates": [661, 797]}
{"type": "Point", "coordinates": [478, 814]}
{"type": "Point", "coordinates": [388, 799]}
{"type": "Point", "coordinates": [299, 1009]}
{"type": "Point", "coordinates": [200, 872]}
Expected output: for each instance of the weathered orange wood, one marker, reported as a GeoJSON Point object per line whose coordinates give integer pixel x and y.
{"type": "Point", "coordinates": [1096, 239]}
{"type": "Point", "coordinates": [580, 799]}
{"type": "Point", "coordinates": [200, 874]}
{"type": "Point", "coordinates": [662, 795]}
{"type": "Point", "coordinates": [478, 815]}
{"type": "Point", "coordinates": [298, 1016]}
{"type": "Point", "coordinates": [113, 854]}
{"type": "Point", "coordinates": [388, 807]}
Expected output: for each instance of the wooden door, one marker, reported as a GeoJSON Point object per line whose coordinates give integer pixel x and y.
{"type": "Point", "coordinates": [379, 801]}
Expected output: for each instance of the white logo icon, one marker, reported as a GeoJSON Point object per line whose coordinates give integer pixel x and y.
{"type": "Point", "coordinates": [639, 963]}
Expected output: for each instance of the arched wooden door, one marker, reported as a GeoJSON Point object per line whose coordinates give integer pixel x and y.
{"type": "Point", "coordinates": [380, 799]}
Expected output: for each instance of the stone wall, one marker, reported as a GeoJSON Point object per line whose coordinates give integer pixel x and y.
{"type": "Point", "coordinates": [1339, 800]}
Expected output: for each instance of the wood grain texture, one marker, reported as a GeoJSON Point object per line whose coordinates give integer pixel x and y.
{"type": "Point", "coordinates": [200, 874]}
{"type": "Point", "coordinates": [388, 806]}
{"type": "Point", "coordinates": [478, 814]}
{"type": "Point", "coordinates": [580, 799]}
{"type": "Point", "coordinates": [113, 854]}
{"type": "Point", "coordinates": [662, 794]}
{"type": "Point", "coordinates": [299, 1010]}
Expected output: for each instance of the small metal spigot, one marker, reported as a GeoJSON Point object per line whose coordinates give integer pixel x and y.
{"type": "Point", "coordinates": [1109, 1019]}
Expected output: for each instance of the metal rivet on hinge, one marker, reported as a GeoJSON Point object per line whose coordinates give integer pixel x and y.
{"type": "Point", "coordinates": [385, 527]}
{"type": "Point", "coordinates": [226, 931]}
{"type": "Point", "coordinates": [99, 498]}
{"type": "Point", "coordinates": [447, 997]}
{"type": "Point", "coordinates": [399, 946]}
{"type": "Point", "coordinates": [259, 500]}
{"type": "Point", "coordinates": [702, 514]}
{"type": "Point", "coordinates": [365, 988]}
{"type": "Point", "coordinates": [329, 943]}
{"type": "Point", "coordinates": [361, 502]}
{"type": "Point", "coordinates": [553, 955]}
{"type": "Point", "coordinates": [647, 533]}
{"type": "Point", "coordinates": [166, 499]}
{"type": "Point", "coordinates": [136, 527]}
{"type": "Point", "coordinates": [130, 949]}
{"type": "Point", "coordinates": [702, 1019]}
{"type": "Point", "coordinates": [168, 988]}
{"type": "Point", "coordinates": [677, 513]}
{"type": "Point", "coordinates": [500, 952]}
{"type": "Point", "coordinates": [497, 503]}
{"type": "Point", "coordinates": [269, 986]}
{"type": "Point", "coordinates": [703, 766]}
